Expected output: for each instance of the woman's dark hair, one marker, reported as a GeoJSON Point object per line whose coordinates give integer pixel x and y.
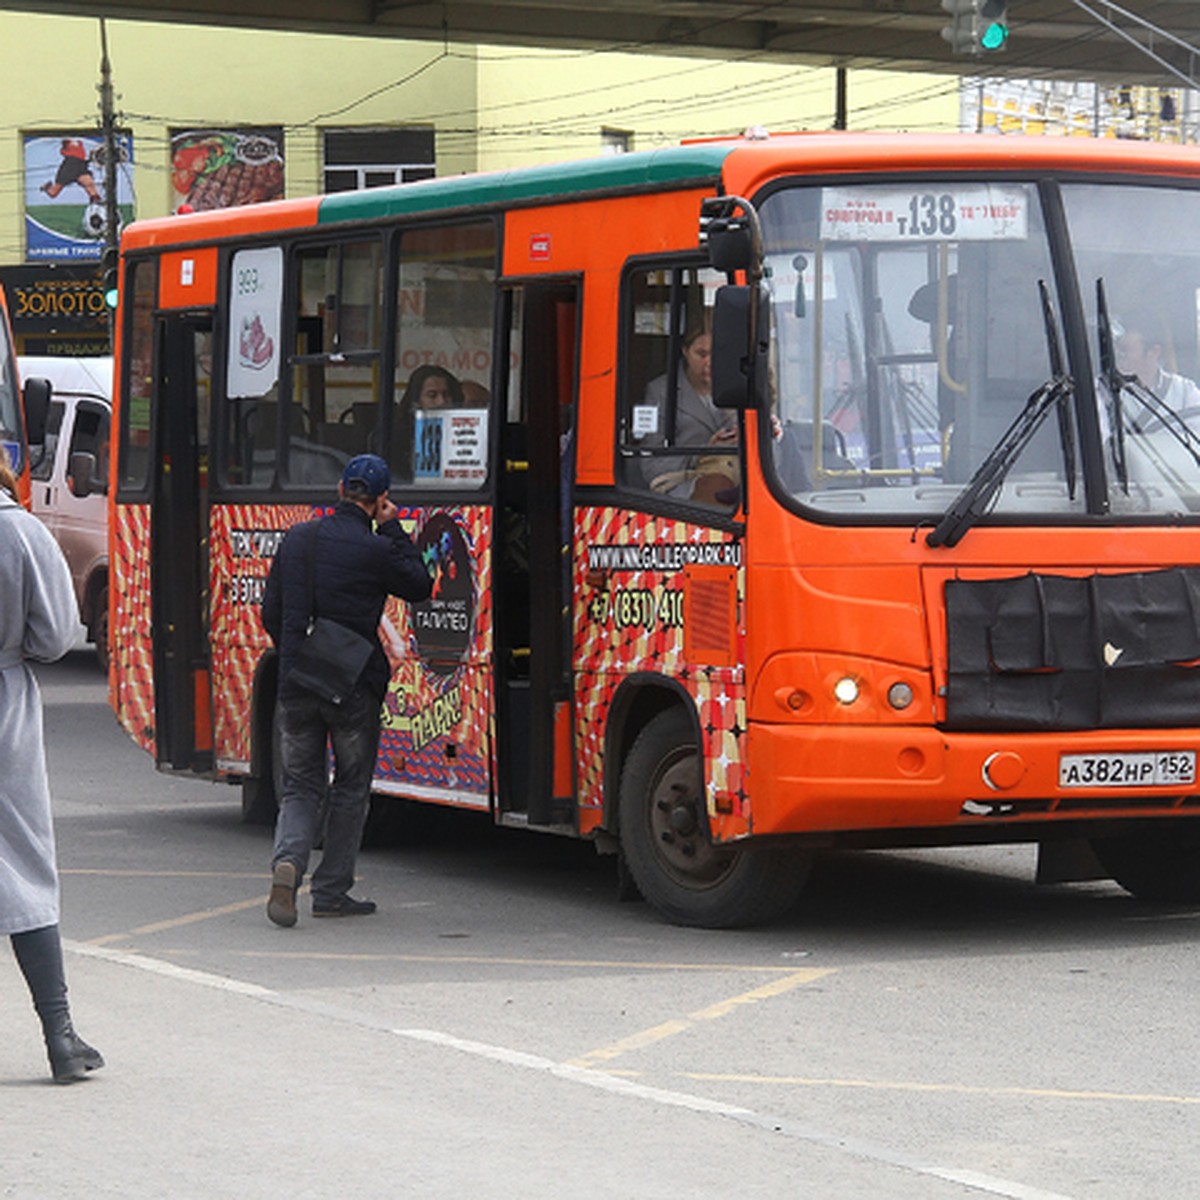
{"type": "Point", "coordinates": [8, 479]}
{"type": "Point", "coordinates": [412, 393]}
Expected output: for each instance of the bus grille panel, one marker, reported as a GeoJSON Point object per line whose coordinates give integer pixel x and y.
{"type": "Point", "coordinates": [1046, 652]}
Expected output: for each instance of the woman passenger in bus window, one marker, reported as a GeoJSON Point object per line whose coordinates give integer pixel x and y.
{"type": "Point", "coordinates": [697, 422]}
{"type": "Point", "coordinates": [429, 387]}
{"type": "Point", "coordinates": [39, 621]}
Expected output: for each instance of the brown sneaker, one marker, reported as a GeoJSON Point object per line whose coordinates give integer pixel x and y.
{"type": "Point", "coordinates": [281, 904]}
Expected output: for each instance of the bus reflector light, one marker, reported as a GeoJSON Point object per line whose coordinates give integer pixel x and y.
{"type": "Point", "coordinates": [794, 699]}
{"type": "Point", "coordinates": [1003, 770]}
{"type": "Point", "coordinates": [846, 690]}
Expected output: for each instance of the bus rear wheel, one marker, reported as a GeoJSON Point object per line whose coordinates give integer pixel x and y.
{"type": "Point", "coordinates": [665, 839]}
{"type": "Point", "coordinates": [1160, 865]}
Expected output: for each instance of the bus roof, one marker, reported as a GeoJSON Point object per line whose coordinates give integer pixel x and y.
{"type": "Point", "coordinates": [675, 166]}
{"type": "Point", "coordinates": [739, 164]}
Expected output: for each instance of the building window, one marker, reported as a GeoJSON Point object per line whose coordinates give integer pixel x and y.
{"type": "Point", "coordinates": [377, 158]}
{"type": "Point", "coordinates": [616, 141]}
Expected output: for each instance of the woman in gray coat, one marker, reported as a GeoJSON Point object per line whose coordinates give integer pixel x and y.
{"type": "Point", "coordinates": [38, 620]}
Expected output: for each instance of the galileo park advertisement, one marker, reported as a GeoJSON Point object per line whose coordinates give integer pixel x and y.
{"type": "Point", "coordinates": [66, 211]}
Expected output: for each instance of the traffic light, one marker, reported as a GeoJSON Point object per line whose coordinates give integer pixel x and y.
{"type": "Point", "coordinates": [994, 31]}
{"type": "Point", "coordinates": [110, 275]}
{"type": "Point", "coordinates": [976, 25]}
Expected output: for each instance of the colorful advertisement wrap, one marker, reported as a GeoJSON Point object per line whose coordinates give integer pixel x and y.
{"type": "Point", "coordinates": [66, 210]}
{"type": "Point", "coordinates": [437, 714]}
{"type": "Point", "coordinates": [220, 168]}
{"type": "Point", "coordinates": [635, 576]}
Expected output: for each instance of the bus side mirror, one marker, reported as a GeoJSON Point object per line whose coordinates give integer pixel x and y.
{"type": "Point", "coordinates": [739, 347]}
{"type": "Point", "coordinates": [36, 395]}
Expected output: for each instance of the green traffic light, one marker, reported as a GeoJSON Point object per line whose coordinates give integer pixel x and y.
{"type": "Point", "coordinates": [994, 36]}
{"type": "Point", "coordinates": [110, 297]}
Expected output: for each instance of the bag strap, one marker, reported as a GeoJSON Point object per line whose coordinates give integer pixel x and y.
{"type": "Point", "coordinates": [311, 570]}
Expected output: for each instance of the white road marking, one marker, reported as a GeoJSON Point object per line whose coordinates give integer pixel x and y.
{"type": "Point", "coordinates": [584, 1076]}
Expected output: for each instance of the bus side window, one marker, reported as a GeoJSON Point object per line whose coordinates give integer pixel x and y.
{"type": "Point", "coordinates": [668, 391]}
{"type": "Point", "coordinates": [251, 437]}
{"type": "Point", "coordinates": [445, 320]}
{"type": "Point", "coordinates": [337, 348]}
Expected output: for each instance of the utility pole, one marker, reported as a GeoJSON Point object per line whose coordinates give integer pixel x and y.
{"type": "Point", "coordinates": [112, 239]}
{"type": "Point", "coordinates": [841, 115]}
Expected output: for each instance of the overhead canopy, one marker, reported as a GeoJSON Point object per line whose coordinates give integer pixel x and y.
{"type": "Point", "coordinates": [1073, 39]}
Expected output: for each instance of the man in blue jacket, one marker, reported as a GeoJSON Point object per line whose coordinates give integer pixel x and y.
{"type": "Point", "coordinates": [360, 557]}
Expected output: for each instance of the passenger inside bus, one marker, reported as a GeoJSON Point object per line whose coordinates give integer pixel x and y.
{"type": "Point", "coordinates": [429, 387]}
{"type": "Point", "coordinates": [708, 478]}
{"type": "Point", "coordinates": [1141, 353]}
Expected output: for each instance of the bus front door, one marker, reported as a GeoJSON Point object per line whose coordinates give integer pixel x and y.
{"type": "Point", "coordinates": [179, 543]}
{"type": "Point", "coordinates": [533, 555]}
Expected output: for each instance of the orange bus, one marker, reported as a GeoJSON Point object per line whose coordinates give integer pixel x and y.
{"type": "Point", "coordinates": [793, 492]}
{"type": "Point", "coordinates": [22, 413]}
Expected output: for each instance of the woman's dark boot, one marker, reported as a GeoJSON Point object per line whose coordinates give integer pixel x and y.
{"type": "Point", "coordinates": [71, 1058]}
{"type": "Point", "coordinates": [39, 955]}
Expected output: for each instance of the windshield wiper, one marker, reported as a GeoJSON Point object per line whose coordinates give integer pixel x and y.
{"type": "Point", "coordinates": [1115, 382]}
{"type": "Point", "coordinates": [972, 502]}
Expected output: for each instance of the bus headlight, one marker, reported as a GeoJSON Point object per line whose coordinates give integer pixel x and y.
{"type": "Point", "coordinates": [846, 690]}
{"type": "Point", "coordinates": [900, 696]}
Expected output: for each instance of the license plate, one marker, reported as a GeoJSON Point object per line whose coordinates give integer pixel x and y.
{"type": "Point", "coordinates": [1149, 768]}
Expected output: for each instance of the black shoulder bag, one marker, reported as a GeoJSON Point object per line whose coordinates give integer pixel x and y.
{"type": "Point", "coordinates": [331, 658]}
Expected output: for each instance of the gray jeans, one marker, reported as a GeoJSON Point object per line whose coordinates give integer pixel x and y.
{"type": "Point", "coordinates": [306, 727]}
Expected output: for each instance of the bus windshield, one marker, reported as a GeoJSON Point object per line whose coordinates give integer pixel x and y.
{"type": "Point", "coordinates": [911, 332]}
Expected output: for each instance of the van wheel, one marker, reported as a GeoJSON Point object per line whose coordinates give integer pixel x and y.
{"type": "Point", "coordinates": [667, 848]}
{"type": "Point", "coordinates": [100, 628]}
{"type": "Point", "coordinates": [1160, 865]}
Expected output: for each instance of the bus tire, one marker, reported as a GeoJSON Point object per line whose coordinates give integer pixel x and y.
{"type": "Point", "coordinates": [1160, 865]}
{"type": "Point", "coordinates": [667, 848]}
{"type": "Point", "coordinates": [259, 802]}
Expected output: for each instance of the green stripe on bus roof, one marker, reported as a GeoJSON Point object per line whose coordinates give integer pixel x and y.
{"type": "Point", "coordinates": [651, 168]}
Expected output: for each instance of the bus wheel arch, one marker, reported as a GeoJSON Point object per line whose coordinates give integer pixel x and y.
{"type": "Point", "coordinates": [260, 799]}
{"type": "Point", "coordinates": [662, 823]}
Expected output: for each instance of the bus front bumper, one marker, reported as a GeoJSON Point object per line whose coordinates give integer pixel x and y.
{"type": "Point", "coordinates": [829, 779]}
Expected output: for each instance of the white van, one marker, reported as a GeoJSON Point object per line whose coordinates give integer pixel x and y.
{"type": "Point", "coordinates": [69, 477]}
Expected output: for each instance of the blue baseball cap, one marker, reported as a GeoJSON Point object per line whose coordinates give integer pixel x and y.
{"type": "Point", "coordinates": [366, 474]}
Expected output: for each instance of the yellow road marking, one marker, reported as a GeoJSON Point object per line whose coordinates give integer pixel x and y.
{"type": "Point", "coordinates": [136, 874]}
{"type": "Point", "coordinates": [712, 1012]}
{"type": "Point", "coordinates": [176, 922]}
{"type": "Point", "coordinates": [961, 1089]}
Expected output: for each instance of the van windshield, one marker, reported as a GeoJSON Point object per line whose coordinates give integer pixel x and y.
{"type": "Point", "coordinates": [10, 422]}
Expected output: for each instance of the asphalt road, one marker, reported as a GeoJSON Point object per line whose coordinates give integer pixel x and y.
{"type": "Point", "coordinates": [924, 1025]}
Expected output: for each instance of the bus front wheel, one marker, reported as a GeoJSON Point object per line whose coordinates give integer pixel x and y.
{"type": "Point", "coordinates": [666, 844]}
{"type": "Point", "coordinates": [1160, 865]}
